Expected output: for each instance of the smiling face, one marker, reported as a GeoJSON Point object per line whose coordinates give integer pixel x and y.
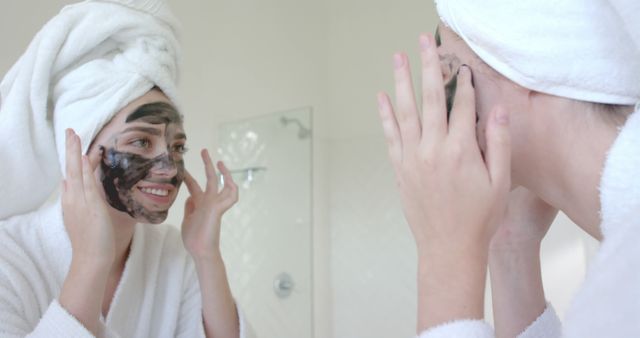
{"type": "Point", "coordinates": [141, 158]}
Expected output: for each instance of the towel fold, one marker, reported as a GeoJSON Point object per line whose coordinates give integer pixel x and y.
{"type": "Point", "coordinates": [571, 48]}
{"type": "Point", "coordinates": [86, 64]}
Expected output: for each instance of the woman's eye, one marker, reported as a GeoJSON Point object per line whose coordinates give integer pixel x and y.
{"type": "Point", "coordinates": [141, 143]}
{"type": "Point", "coordinates": [180, 148]}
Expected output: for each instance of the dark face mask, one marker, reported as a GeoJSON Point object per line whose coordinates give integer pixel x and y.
{"type": "Point", "coordinates": [122, 171]}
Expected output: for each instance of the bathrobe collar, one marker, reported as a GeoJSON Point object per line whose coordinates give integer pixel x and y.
{"type": "Point", "coordinates": [620, 184]}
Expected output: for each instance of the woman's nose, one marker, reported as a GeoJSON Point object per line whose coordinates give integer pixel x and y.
{"type": "Point", "coordinates": [165, 166]}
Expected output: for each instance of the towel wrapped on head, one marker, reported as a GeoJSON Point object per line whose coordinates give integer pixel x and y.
{"type": "Point", "coordinates": [85, 65]}
{"type": "Point", "coordinates": [576, 49]}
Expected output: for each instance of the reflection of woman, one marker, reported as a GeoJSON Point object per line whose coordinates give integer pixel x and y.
{"type": "Point", "coordinates": [553, 88]}
{"type": "Point", "coordinates": [82, 266]}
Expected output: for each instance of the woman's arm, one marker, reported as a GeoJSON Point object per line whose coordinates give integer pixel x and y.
{"type": "Point", "coordinates": [514, 263]}
{"type": "Point", "coordinates": [516, 286]}
{"type": "Point", "coordinates": [218, 307]}
{"type": "Point", "coordinates": [201, 236]}
{"type": "Point", "coordinates": [453, 195]}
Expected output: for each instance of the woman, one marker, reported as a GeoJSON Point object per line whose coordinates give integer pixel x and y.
{"type": "Point", "coordinates": [100, 80]}
{"type": "Point", "coordinates": [544, 100]}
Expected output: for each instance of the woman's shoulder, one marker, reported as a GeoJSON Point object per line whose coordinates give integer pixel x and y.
{"type": "Point", "coordinates": [29, 273]}
{"type": "Point", "coordinates": [23, 229]}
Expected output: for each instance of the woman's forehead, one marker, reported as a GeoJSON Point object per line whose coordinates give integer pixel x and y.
{"type": "Point", "coordinates": [161, 116]}
{"type": "Point", "coordinates": [155, 113]}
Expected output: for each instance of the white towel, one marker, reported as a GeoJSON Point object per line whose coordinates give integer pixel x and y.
{"type": "Point", "coordinates": [85, 65]}
{"type": "Point", "coordinates": [571, 48]}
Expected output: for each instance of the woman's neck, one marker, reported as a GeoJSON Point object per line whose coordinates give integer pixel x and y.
{"type": "Point", "coordinates": [570, 159]}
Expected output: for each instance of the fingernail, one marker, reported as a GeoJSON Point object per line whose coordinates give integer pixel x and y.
{"type": "Point", "coordinates": [466, 70]}
{"type": "Point", "coordinates": [398, 60]}
{"type": "Point", "coordinates": [424, 42]}
{"type": "Point", "coordinates": [502, 117]}
{"type": "Point", "coordinates": [463, 70]}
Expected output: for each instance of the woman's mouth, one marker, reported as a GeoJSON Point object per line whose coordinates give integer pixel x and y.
{"type": "Point", "coordinates": [157, 195]}
{"type": "Point", "coordinates": [156, 192]}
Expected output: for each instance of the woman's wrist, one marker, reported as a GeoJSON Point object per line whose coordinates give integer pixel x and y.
{"type": "Point", "coordinates": [208, 258]}
{"type": "Point", "coordinates": [519, 248]}
{"type": "Point", "coordinates": [451, 284]}
{"type": "Point", "coordinates": [92, 266]}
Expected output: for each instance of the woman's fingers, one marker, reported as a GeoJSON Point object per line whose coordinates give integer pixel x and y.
{"type": "Point", "coordinates": [407, 112]}
{"type": "Point", "coordinates": [462, 123]}
{"type": "Point", "coordinates": [434, 116]}
{"type": "Point", "coordinates": [192, 185]}
{"type": "Point", "coordinates": [88, 181]}
{"type": "Point", "coordinates": [390, 129]}
{"type": "Point", "coordinates": [189, 206]}
{"type": "Point", "coordinates": [73, 162]}
{"type": "Point", "coordinates": [210, 171]}
{"type": "Point", "coordinates": [499, 148]}
{"type": "Point", "coordinates": [96, 158]}
{"type": "Point", "coordinates": [230, 190]}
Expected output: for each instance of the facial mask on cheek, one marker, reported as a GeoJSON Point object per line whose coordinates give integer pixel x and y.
{"type": "Point", "coordinates": [122, 171]}
{"type": "Point", "coordinates": [450, 93]}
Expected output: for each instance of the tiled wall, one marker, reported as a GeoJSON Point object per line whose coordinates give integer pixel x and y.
{"type": "Point", "coordinates": [269, 231]}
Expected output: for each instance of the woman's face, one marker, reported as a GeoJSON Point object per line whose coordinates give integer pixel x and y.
{"type": "Point", "coordinates": [141, 158]}
{"type": "Point", "coordinates": [491, 89]}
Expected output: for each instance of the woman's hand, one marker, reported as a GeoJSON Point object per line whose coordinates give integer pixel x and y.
{"type": "Point", "coordinates": [450, 192]}
{"type": "Point", "coordinates": [204, 209]}
{"type": "Point", "coordinates": [90, 231]}
{"type": "Point", "coordinates": [201, 236]}
{"type": "Point", "coordinates": [453, 196]}
{"type": "Point", "coordinates": [86, 216]}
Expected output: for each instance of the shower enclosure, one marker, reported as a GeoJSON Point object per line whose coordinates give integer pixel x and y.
{"type": "Point", "coordinates": [267, 237]}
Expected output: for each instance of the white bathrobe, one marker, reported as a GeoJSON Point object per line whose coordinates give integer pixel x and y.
{"type": "Point", "coordinates": [608, 303]}
{"type": "Point", "coordinates": [158, 294]}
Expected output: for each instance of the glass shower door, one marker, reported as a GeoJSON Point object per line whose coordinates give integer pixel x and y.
{"type": "Point", "coordinates": [266, 238]}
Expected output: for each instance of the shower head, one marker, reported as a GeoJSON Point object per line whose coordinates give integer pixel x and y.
{"type": "Point", "coordinates": [303, 132]}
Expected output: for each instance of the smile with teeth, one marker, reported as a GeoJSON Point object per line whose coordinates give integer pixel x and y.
{"type": "Point", "coordinates": [157, 192]}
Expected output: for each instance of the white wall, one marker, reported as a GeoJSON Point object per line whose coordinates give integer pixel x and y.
{"type": "Point", "coordinates": [20, 21]}
{"type": "Point", "coordinates": [372, 254]}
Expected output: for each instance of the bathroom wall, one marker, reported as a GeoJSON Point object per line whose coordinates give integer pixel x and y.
{"type": "Point", "coordinates": [266, 240]}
